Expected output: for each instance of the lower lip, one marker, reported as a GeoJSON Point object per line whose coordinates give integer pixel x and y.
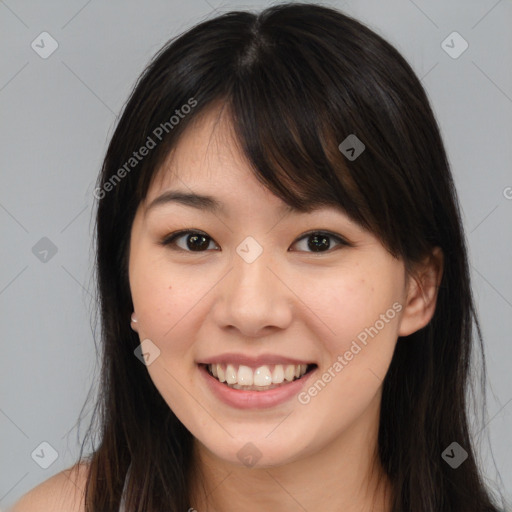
{"type": "Point", "coordinates": [254, 399]}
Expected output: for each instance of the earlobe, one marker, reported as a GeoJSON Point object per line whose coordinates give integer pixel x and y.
{"type": "Point", "coordinates": [422, 292]}
{"type": "Point", "coordinates": [134, 322]}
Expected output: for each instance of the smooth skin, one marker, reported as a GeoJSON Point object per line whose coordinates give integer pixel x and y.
{"type": "Point", "coordinates": [290, 301]}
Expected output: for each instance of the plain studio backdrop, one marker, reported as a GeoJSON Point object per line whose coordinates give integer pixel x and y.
{"type": "Point", "coordinates": [67, 69]}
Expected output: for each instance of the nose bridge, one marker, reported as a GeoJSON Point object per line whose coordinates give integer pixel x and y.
{"type": "Point", "coordinates": [254, 298]}
{"type": "Point", "coordinates": [251, 276]}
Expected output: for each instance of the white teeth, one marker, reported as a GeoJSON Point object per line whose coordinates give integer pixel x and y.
{"type": "Point", "coordinates": [289, 372]}
{"type": "Point", "coordinates": [262, 376]}
{"type": "Point", "coordinates": [242, 376]}
{"type": "Point", "coordinates": [231, 374]}
{"type": "Point", "coordinates": [278, 374]}
{"type": "Point", "coordinates": [245, 376]}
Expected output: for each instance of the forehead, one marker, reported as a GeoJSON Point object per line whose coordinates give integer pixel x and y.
{"type": "Point", "coordinates": [207, 170]}
{"type": "Point", "coordinates": [206, 152]}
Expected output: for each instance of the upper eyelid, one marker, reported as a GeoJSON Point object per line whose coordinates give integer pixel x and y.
{"type": "Point", "coordinates": [339, 239]}
{"type": "Point", "coordinates": [173, 236]}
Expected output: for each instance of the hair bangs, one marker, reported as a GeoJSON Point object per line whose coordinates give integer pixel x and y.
{"type": "Point", "coordinates": [295, 154]}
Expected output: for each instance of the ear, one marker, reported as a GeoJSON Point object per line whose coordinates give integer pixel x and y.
{"type": "Point", "coordinates": [422, 287]}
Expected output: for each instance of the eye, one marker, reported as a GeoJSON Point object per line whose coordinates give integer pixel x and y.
{"type": "Point", "coordinates": [318, 241]}
{"type": "Point", "coordinates": [195, 241]}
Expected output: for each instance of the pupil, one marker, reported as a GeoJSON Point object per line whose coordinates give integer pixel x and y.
{"type": "Point", "coordinates": [316, 242]}
{"type": "Point", "coordinates": [192, 239]}
{"type": "Point", "coordinates": [321, 239]}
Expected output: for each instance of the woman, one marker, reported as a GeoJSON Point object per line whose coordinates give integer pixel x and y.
{"type": "Point", "coordinates": [286, 307]}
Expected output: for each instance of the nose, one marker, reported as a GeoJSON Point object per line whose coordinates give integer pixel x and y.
{"type": "Point", "coordinates": [254, 298]}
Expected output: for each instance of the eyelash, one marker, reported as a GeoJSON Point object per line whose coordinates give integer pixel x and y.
{"type": "Point", "coordinates": [170, 240]}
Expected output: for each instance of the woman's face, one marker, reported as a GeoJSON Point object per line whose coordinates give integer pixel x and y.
{"type": "Point", "coordinates": [255, 297]}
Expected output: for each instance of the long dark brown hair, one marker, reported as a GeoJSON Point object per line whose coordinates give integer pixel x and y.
{"type": "Point", "coordinates": [296, 80]}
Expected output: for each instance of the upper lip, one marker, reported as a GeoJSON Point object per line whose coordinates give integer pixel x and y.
{"type": "Point", "coordinates": [260, 360]}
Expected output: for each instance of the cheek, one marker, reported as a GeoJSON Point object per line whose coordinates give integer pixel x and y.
{"type": "Point", "coordinates": [158, 295]}
{"type": "Point", "coordinates": [166, 301]}
{"type": "Point", "coordinates": [362, 309]}
{"type": "Point", "coordinates": [351, 303]}
{"type": "Point", "coordinates": [170, 302]}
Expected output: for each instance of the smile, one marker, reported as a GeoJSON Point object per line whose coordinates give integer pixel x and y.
{"type": "Point", "coordinates": [261, 378]}
{"type": "Point", "coordinates": [281, 382]}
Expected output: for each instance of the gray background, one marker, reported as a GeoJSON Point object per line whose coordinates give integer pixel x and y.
{"type": "Point", "coordinates": [57, 116]}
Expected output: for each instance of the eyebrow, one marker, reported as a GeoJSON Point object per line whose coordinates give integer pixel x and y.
{"type": "Point", "coordinates": [198, 201]}
{"type": "Point", "coordinates": [201, 202]}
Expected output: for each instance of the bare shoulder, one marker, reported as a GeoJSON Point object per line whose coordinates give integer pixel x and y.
{"type": "Point", "coordinates": [63, 492]}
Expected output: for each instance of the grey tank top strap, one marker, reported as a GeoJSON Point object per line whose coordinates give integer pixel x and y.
{"type": "Point", "coordinates": [122, 506]}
